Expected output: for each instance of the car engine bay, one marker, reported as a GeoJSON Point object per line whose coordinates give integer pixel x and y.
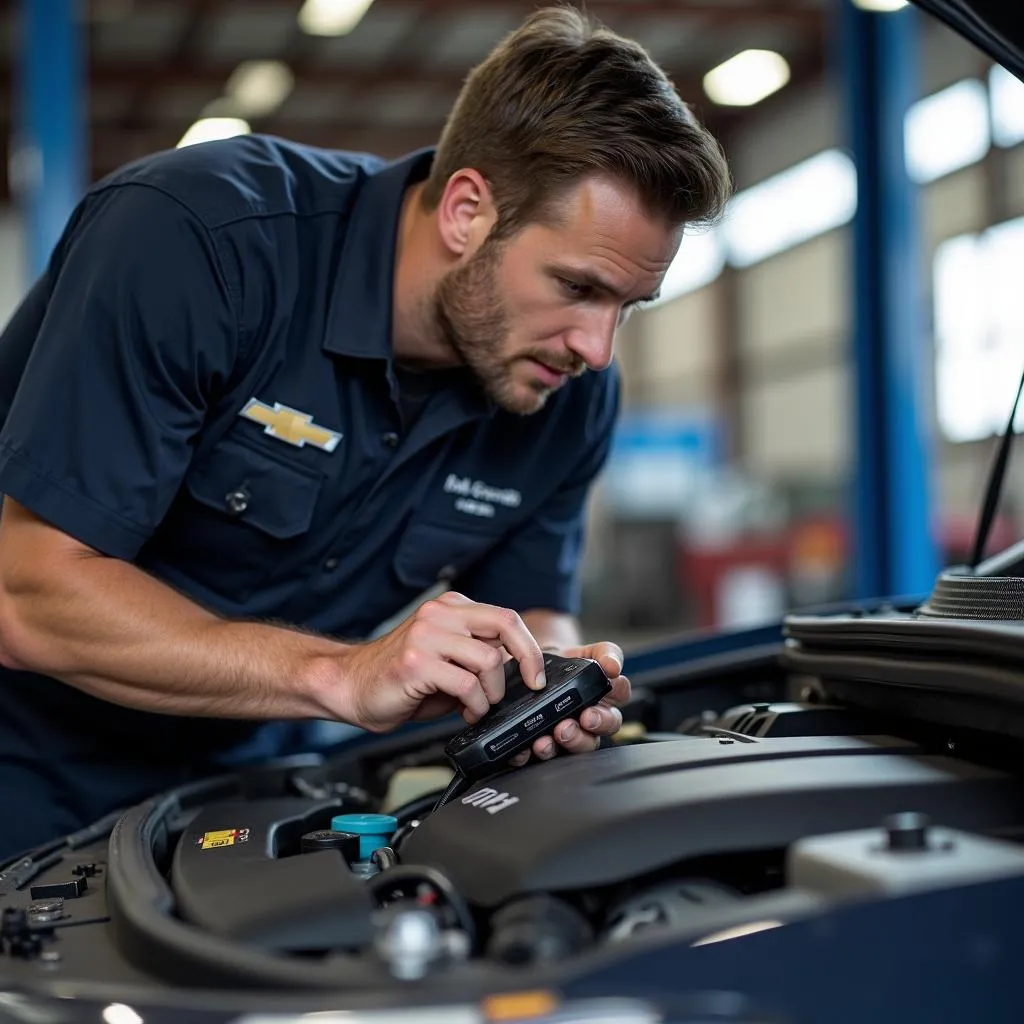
{"type": "Point", "coordinates": [853, 760]}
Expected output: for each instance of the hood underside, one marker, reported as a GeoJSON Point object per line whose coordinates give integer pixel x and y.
{"type": "Point", "coordinates": [996, 26]}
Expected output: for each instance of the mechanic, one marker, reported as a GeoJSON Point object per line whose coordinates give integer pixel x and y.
{"type": "Point", "coordinates": [266, 396]}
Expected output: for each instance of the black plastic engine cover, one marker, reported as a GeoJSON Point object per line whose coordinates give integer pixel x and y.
{"type": "Point", "coordinates": [606, 817]}
{"type": "Point", "coordinates": [230, 878]}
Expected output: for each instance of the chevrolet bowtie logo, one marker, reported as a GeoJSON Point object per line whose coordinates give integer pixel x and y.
{"type": "Point", "coordinates": [290, 425]}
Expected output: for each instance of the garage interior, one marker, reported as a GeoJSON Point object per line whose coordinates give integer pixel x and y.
{"type": "Point", "coordinates": [795, 792]}
{"type": "Point", "coordinates": [737, 486]}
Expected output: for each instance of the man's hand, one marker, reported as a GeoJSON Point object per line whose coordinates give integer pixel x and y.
{"type": "Point", "coordinates": [447, 656]}
{"type": "Point", "coordinates": [603, 719]}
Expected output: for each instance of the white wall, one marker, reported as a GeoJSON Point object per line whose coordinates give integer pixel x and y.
{"type": "Point", "coordinates": [13, 272]}
{"type": "Point", "coordinates": [681, 343]}
{"type": "Point", "coordinates": [805, 124]}
{"type": "Point", "coordinates": [963, 473]}
{"type": "Point", "coordinates": [792, 314]}
{"type": "Point", "coordinates": [795, 303]}
{"type": "Point", "coordinates": [793, 344]}
{"type": "Point", "coordinates": [945, 58]}
{"type": "Point", "coordinates": [797, 427]}
{"type": "Point", "coordinates": [952, 206]}
{"type": "Point", "coordinates": [1015, 175]}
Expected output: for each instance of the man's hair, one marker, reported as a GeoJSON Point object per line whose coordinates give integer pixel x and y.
{"type": "Point", "coordinates": [559, 100]}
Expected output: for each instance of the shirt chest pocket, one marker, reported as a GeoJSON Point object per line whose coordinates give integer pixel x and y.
{"type": "Point", "coordinates": [430, 553]}
{"type": "Point", "coordinates": [246, 519]}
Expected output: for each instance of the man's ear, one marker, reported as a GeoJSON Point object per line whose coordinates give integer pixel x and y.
{"type": "Point", "coordinates": [466, 212]}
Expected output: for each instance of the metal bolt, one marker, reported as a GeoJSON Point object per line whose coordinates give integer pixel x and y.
{"type": "Point", "coordinates": [907, 831]}
{"type": "Point", "coordinates": [411, 942]}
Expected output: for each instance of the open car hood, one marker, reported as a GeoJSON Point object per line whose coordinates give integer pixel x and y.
{"type": "Point", "coordinates": [996, 26]}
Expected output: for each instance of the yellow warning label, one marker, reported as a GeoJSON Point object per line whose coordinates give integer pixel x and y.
{"type": "Point", "coordinates": [225, 837]}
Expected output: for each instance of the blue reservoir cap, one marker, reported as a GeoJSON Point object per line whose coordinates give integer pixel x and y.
{"type": "Point", "coordinates": [374, 830]}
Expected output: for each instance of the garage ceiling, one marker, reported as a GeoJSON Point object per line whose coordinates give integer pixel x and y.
{"type": "Point", "coordinates": [155, 66]}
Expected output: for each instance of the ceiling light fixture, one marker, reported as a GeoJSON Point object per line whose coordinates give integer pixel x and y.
{"type": "Point", "coordinates": [331, 17]}
{"type": "Point", "coordinates": [801, 203]}
{"type": "Point", "coordinates": [881, 6]}
{"type": "Point", "coordinates": [1007, 98]}
{"type": "Point", "coordinates": [209, 129]}
{"type": "Point", "coordinates": [747, 78]}
{"type": "Point", "coordinates": [947, 131]}
{"type": "Point", "coordinates": [259, 87]}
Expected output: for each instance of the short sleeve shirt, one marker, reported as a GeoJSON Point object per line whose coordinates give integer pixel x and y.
{"type": "Point", "coordinates": [201, 383]}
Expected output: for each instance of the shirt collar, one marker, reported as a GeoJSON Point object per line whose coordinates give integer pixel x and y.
{"type": "Point", "coordinates": [359, 322]}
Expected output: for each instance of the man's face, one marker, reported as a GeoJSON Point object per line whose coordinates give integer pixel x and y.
{"type": "Point", "coordinates": [530, 312]}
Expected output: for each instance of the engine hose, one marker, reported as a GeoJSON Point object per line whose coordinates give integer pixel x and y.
{"type": "Point", "coordinates": [74, 841]}
{"type": "Point", "coordinates": [385, 858]}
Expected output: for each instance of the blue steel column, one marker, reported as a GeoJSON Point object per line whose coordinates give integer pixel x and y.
{"type": "Point", "coordinates": [49, 158]}
{"type": "Point", "coordinates": [894, 546]}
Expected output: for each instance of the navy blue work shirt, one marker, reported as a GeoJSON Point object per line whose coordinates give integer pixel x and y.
{"type": "Point", "coordinates": [201, 383]}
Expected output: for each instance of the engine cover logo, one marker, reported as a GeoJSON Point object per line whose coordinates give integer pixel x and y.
{"type": "Point", "coordinates": [490, 800]}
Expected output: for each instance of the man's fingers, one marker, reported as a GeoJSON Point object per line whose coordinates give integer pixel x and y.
{"type": "Point", "coordinates": [486, 621]}
{"type": "Point", "coordinates": [464, 686]}
{"type": "Point", "coordinates": [484, 660]}
{"type": "Point", "coordinates": [609, 656]}
{"type": "Point", "coordinates": [520, 759]}
{"type": "Point", "coordinates": [457, 613]}
{"type": "Point", "coordinates": [437, 705]}
{"type": "Point", "coordinates": [544, 748]}
{"type": "Point", "coordinates": [578, 738]}
{"type": "Point", "coordinates": [620, 692]}
{"type": "Point", "coordinates": [601, 721]}
{"type": "Point", "coordinates": [575, 739]}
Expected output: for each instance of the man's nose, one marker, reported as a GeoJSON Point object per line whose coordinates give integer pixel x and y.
{"type": "Point", "coordinates": [594, 340]}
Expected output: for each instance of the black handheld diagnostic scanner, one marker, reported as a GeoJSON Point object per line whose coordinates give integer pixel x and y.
{"type": "Point", "coordinates": [573, 684]}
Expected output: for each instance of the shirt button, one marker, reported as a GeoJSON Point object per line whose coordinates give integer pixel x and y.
{"type": "Point", "coordinates": [331, 563]}
{"type": "Point", "coordinates": [390, 439]}
{"type": "Point", "coordinates": [237, 501]}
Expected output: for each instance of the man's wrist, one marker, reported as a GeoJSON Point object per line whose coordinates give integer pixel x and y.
{"type": "Point", "coordinates": [309, 668]}
{"type": "Point", "coordinates": [555, 632]}
{"type": "Point", "coordinates": [324, 685]}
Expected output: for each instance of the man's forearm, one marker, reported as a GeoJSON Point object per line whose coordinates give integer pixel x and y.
{"type": "Point", "coordinates": [553, 631]}
{"type": "Point", "coordinates": [108, 628]}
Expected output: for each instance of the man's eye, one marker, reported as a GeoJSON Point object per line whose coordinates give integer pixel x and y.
{"type": "Point", "coordinates": [574, 289]}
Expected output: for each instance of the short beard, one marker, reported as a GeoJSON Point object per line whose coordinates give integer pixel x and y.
{"type": "Point", "coordinates": [471, 319]}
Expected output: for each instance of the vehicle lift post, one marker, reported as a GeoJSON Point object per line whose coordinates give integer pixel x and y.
{"type": "Point", "coordinates": [893, 519]}
{"type": "Point", "coordinates": [48, 160]}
